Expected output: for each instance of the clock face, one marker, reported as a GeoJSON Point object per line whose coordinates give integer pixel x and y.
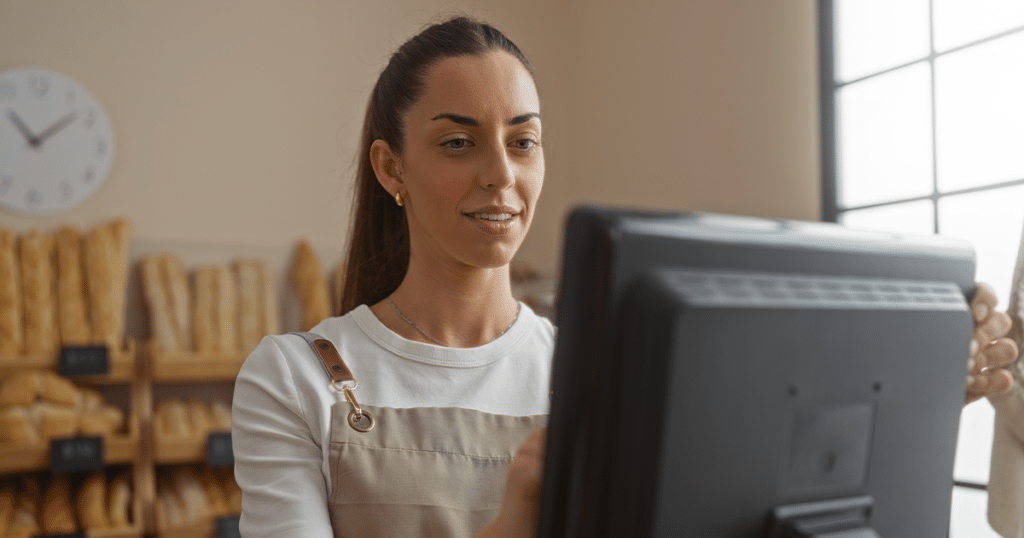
{"type": "Point", "coordinates": [56, 143]}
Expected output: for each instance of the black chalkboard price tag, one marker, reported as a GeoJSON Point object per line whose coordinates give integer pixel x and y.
{"type": "Point", "coordinates": [84, 360]}
{"type": "Point", "coordinates": [227, 527]}
{"type": "Point", "coordinates": [218, 450]}
{"type": "Point", "coordinates": [76, 454]}
{"type": "Point", "coordinates": [72, 535]}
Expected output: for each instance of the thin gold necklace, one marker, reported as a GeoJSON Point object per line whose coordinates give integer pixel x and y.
{"type": "Point", "coordinates": [438, 342]}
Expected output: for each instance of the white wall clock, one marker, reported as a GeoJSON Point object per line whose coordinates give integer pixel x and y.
{"type": "Point", "coordinates": [56, 143]}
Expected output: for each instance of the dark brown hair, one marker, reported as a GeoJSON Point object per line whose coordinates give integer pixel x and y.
{"type": "Point", "coordinates": [378, 254]}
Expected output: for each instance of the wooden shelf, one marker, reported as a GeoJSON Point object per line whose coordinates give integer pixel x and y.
{"type": "Point", "coordinates": [179, 450]}
{"type": "Point", "coordinates": [121, 362]}
{"type": "Point", "coordinates": [195, 366]}
{"type": "Point", "coordinates": [207, 528]}
{"type": "Point", "coordinates": [117, 450]}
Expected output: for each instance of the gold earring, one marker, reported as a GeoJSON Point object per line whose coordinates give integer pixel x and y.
{"type": "Point", "coordinates": [398, 199]}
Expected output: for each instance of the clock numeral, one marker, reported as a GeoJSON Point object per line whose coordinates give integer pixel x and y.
{"type": "Point", "coordinates": [101, 147]}
{"type": "Point", "coordinates": [5, 184]}
{"type": "Point", "coordinates": [39, 86]}
{"type": "Point", "coordinates": [67, 192]}
{"type": "Point", "coordinates": [90, 118]}
{"type": "Point", "coordinates": [33, 198]}
{"type": "Point", "coordinates": [8, 89]}
{"type": "Point", "coordinates": [89, 174]}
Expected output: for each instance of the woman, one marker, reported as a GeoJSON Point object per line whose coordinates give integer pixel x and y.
{"type": "Point", "coordinates": [452, 369]}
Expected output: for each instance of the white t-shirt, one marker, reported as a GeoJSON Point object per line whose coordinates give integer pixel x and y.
{"type": "Point", "coordinates": [281, 411]}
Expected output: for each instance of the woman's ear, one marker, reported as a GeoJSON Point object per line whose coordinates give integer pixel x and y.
{"type": "Point", "coordinates": [385, 166]}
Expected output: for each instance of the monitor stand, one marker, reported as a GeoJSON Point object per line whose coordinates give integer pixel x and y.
{"type": "Point", "coordinates": [835, 518]}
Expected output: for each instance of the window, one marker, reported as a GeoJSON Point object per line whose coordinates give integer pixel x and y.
{"type": "Point", "coordinates": [923, 132]}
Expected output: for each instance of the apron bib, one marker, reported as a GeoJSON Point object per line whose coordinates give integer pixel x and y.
{"type": "Point", "coordinates": [418, 472]}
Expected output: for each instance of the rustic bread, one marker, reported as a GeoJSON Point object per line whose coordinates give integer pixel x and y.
{"type": "Point", "coordinates": [11, 335]}
{"type": "Point", "coordinates": [72, 314]}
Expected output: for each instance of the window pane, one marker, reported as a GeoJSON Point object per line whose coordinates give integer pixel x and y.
{"type": "Point", "coordinates": [874, 35]}
{"type": "Point", "coordinates": [992, 221]}
{"type": "Point", "coordinates": [968, 519]}
{"type": "Point", "coordinates": [979, 96]}
{"type": "Point", "coordinates": [884, 136]}
{"type": "Point", "coordinates": [909, 218]}
{"type": "Point", "coordinates": [958, 22]}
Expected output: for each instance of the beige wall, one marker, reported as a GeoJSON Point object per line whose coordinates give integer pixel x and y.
{"type": "Point", "coordinates": [236, 121]}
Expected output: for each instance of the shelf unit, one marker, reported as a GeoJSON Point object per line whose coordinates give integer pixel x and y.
{"type": "Point", "coordinates": [140, 368]}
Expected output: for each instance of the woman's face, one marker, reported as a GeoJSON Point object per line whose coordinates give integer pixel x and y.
{"type": "Point", "coordinates": [472, 166]}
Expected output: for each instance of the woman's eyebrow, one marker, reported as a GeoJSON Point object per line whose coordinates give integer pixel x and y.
{"type": "Point", "coordinates": [473, 122]}
{"type": "Point", "coordinates": [457, 118]}
{"type": "Point", "coordinates": [523, 118]}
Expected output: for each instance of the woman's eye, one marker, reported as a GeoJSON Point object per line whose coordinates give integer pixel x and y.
{"type": "Point", "coordinates": [456, 143]}
{"type": "Point", "coordinates": [525, 144]}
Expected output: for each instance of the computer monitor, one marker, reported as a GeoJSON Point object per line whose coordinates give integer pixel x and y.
{"type": "Point", "coordinates": [731, 377]}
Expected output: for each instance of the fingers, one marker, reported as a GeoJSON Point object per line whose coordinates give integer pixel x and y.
{"type": "Point", "coordinates": [984, 301]}
{"type": "Point", "coordinates": [994, 326]}
{"type": "Point", "coordinates": [998, 354]}
{"type": "Point", "coordinates": [988, 383]}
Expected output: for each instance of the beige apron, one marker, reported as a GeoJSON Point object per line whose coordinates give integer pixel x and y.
{"type": "Point", "coordinates": [419, 472]}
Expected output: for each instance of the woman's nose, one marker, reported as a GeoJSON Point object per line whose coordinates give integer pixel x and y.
{"type": "Point", "coordinates": [499, 173]}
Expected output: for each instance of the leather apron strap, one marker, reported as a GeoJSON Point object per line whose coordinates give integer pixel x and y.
{"type": "Point", "coordinates": [427, 471]}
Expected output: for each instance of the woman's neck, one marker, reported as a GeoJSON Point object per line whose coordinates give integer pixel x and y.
{"type": "Point", "coordinates": [450, 306]}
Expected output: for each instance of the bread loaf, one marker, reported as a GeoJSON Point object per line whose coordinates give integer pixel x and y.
{"type": "Point", "coordinates": [176, 284]}
{"type": "Point", "coordinates": [103, 421]}
{"type": "Point", "coordinates": [171, 419]}
{"type": "Point", "coordinates": [311, 285]}
{"type": "Point", "coordinates": [204, 291]}
{"type": "Point", "coordinates": [158, 303]}
{"type": "Point", "coordinates": [191, 492]}
{"type": "Point", "coordinates": [220, 414]}
{"type": "Point", "coordinates": [8, 500]}
{"type": "Point", "coordinates": [250, 303]}
{"type": "Point", "coordinates": [215, 493]}
{"type": "Point", "coordinates": [59, 390]}
{"type": "Point", "coordinates": [18, 428]}
{"type": "Point", "coordinates": [91, 502]}
{"type": "Point", "coordinates": [24, 523]}
{"type": "Point", "coordinates": [72, 318]}
{"type": "Point", "coordinates": [55, 421]}
{"type": "Point", "coordinates": [21, 388]}
{"type": "Point", "coordinates": [226, 311]}
{"type": "Point", "coordinates": [106, 264]}
{"type": "Point", "coordinates": [11, 337]}
{"type": "Point", "coordinates": [119, 502]}
{"type": "Point", "coordinates": [36, 254]}
{"type": "Point", "coordinates": [57, 517]}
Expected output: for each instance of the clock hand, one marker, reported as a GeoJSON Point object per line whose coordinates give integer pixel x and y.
{"type": "Point", "coordinates": [53, 129]}
{"type": "Point", "coordinates": [22, 128]}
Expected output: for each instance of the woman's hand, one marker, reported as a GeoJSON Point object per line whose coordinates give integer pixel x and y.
{"type": "Point", "coordinates": [521, 502]}
{"type": "Point", "coordinates": [991, 352]}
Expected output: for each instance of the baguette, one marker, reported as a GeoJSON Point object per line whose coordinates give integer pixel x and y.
{"type": "Point", "coordinates": [40, 314]}
{"type": "Point", "coordinates": [106, 263]}
{"type": "Point", "coordinates": [158, 301]}
{"type": "Point", "coordinates": [225, 312]}
{"type": "Point", "coordinates": [172, 419]}
{"type": "Point", "coordinates": [72, 320]}
{"type": "Point", "coordinates": [220, 414]}
{"type": "Point", "coordinates": [57, 517]}
{"type": "Point", "coordinates": [311, 285]}
{"type": "Point", "coordinates": [173, 274]}
{"type": "Point", "coordinates": [270, 307]}
{"type": "Point", "coordinates": [339, 285]}
{"type": "Point", "coordinates": [91, 502]}
{"type": "Point", "coordinates": [250, 303]}
{"type": "Point", "coordinates": [119, 502]}
{"type": "Point", "coordinates": [199, 418]}
{"type": "Point", "coordinates": [204, 292]}
{"type": "Point", "coordinates": [11, 337]}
